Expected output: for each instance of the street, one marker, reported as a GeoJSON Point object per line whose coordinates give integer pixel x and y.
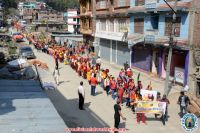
{"type": "Point", "coordinates": [99, 111]}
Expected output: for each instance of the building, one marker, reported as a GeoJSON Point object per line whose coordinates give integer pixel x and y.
{"type": "Point", "coordinates": [112, 24]}
{"type": "Point", "coordinates": [87, 21]}
{"type": "Point", "coordinates": [194, 41]}
{"type": "Point", "coordinates": [150, 28]}
{"type": "Point", "coordinates": [73, 20]}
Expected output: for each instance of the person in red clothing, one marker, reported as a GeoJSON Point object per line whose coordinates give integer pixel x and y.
{"type": "Point", "coordinates": [113, 86]}
{"type": "Point", "coordinates": [120, 93]}
{"type": "Point", "coordinates": [140, 116]}
{"type": "Point", "coordinates": [93, 82]}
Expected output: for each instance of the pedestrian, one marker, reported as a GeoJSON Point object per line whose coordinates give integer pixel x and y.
{"type": "Point", "coordinates": [56, 61]}
{"type": "Point", "coordinates": [113, 86]}
{"type": "Point", "coordinates": [183, 101]}
{"type": "Point", "coordinates": [107, 84]}
{"type": "Point", "coordinates": [120, 93]}
{"type": "Point", "coordinates": [158, 99]}
{"type": "Point", "coordinates": [117, 115]}
{"type": "Point", "coordinates": [81, 94]}
{"type": "Point", "coordinates": [56, 75]}
{"type": "Point", "coordinates": [98, 63]}
{"type": "Point", "coordinates": [93, 82]}
{"type": "Point", "coordinates": [140, 116]}
{"type": "Point", "coordinates": [165, 114]}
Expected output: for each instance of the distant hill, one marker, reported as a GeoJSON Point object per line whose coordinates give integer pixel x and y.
{"type": "Point", "coordinates": [59, 5]}
{"type": "Point", "coordinates": [62, 5]}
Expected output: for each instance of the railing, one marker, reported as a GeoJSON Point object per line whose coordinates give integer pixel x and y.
{"type": "Point", "coordinates": [151, 32]}
{"type": "Point", "coordinates": [151, 4]}
{"type": "Point", "coordinates": [124, 3]}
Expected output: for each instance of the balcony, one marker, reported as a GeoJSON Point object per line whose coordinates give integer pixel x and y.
{"type": "Point", "coordinates": [151, 4]}
{"type": "Point", "coordinates": [150, 35]}
{"type": "Point", "coordinates": [86, 31]}
{"type": "Point", "coordinates": [122, 4]}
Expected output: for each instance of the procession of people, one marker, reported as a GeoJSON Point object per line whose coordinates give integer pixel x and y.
{"type": "Point", "coordinates": [123, 88]}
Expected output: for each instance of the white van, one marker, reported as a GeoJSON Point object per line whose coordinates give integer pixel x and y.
{"type": "Point", "coordinates": [23, 23]}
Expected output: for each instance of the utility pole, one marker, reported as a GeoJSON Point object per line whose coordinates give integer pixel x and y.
{"type": "Point", "coordinates": [96, 47]}
{"type": "Point", "coordinates": [171, 43]}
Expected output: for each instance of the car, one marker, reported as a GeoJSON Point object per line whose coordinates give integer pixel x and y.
{"type": "Point", "coordinates": [27, 52]}
{"type": "Point", "coordinates": [23, 23]}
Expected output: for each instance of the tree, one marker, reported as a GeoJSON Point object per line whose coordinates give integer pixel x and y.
{"type": "Point", "coordinates": [63, 5]}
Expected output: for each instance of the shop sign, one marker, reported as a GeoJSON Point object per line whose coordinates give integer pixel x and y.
{"type": "Point", "coordinates": [179, 75]}
{"type": "Point", "coordinates": [150, 4]}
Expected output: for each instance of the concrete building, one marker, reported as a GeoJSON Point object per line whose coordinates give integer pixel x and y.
{"type": "Point", "coordinates": [150, 27]}
{"type": "Point", "coordinates": [112, 26]}
{"type": "Point", "coordinates": [86, 21]}
{"type": "Point", "coordinates": [194, 42]}
{"type": "Point", "coordinates": [73, 21]}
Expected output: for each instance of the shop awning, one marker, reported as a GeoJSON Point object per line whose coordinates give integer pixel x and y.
{"type": "Point", "coordinates": [134, 39]}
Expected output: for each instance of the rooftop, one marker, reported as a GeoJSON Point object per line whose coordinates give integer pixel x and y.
{"type": "Point", "coordinates": [25, 108]}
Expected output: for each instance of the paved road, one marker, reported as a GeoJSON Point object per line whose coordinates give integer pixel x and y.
{"type": "Point", "coordinates": [99, 109]}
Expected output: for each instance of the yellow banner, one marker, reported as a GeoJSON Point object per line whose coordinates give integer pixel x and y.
{"type": "Point", "coordinates": [151, 107]}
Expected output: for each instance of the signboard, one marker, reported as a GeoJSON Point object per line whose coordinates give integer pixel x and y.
{"type": "Point", "coordinates": [150, 107]}
{"type": "Point", "coordinates": [148, 95]}
{"type": "Point", "coordinates": [179, 75]}
{"type": "Point", "coordinates": [150, 39]}
{"type": "Point", "coordinates": [150, 4]}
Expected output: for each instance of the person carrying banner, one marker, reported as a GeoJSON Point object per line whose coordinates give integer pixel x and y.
{"type": "Point", "coordinates": [165, 114]}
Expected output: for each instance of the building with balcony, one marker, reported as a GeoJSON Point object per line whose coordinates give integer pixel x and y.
{"type": "Point", "coordinates": [87, 21]}
{"type": "Point", "coordinates": [112, 24]}
{"type": "Point", "coordinates": [73, 20]}
{"type": "Point", "coordinates": [148, 39]}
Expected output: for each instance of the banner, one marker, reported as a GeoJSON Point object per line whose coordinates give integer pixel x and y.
{"type": "Point", "coordinates": [150, 107]}
{"type": "Point", "coordinates": [148, 95]}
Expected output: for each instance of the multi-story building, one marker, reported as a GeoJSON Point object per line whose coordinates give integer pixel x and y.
{"type": "Point", "coordinates": [194, 41]}
{"type": "Point", "coordinates": [112, 24]}
{"type": "Point", "coordinates": [150, 28]}
{"type": "Point", "coordinates": [87, 21]}
{"type": "Point", "coordinates": [73, 20]}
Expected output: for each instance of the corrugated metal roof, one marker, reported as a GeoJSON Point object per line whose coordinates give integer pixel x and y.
{"type": "Point", "coordinates": [25, 108]}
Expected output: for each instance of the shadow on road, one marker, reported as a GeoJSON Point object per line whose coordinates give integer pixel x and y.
{"type": "Point", "coordinates": [72, 116]}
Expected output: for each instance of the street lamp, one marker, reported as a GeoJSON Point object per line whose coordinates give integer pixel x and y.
{"type": "Point", "coordinates": [171, 42]}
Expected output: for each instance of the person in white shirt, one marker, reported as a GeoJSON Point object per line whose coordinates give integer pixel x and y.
{"type": "Point", "coordinates": [98, 63]}
{"type": "Point", "coordinates": [56, 75]}
{"type": "Point", "coordinates": [81, 94]}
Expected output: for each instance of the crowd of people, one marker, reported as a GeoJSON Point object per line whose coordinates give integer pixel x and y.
{"type": "Point", "coordinates": [123, 87]}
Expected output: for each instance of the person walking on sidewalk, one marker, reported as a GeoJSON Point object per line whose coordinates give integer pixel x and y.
{"type": "Point", "coordinates": [81, 94]}
{"type": "Point", "coordinates": [56, 75]}
{"type": "Point", "coordinates": [117, 115]}
{"type": "Point", "coordinates": [183, 101]}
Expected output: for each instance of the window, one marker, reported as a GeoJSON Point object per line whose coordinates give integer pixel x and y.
{"type": "Point", "coordinates": [139, 2]}
{"type": "Point", "coordinates": [101, 4]}
{"type": "Point", "coordinates": [139, 25]}
{"type": "Point", "coordinates": [168, 26]}
{"type": "Point", "coordinates": [90, 5]}
{"type": "Point", "coordinates": [121, 3]}
{"type": "Point", "coordinates": [122, 25]}
{"type": "Point", "coordinates": [103, 25]}
{"type": "Point", "coordinates": [74, 19]}
{"type": "Point", "coordinates": [111, 25]}
{"type": "Point", "coordinates": [154, 22]}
